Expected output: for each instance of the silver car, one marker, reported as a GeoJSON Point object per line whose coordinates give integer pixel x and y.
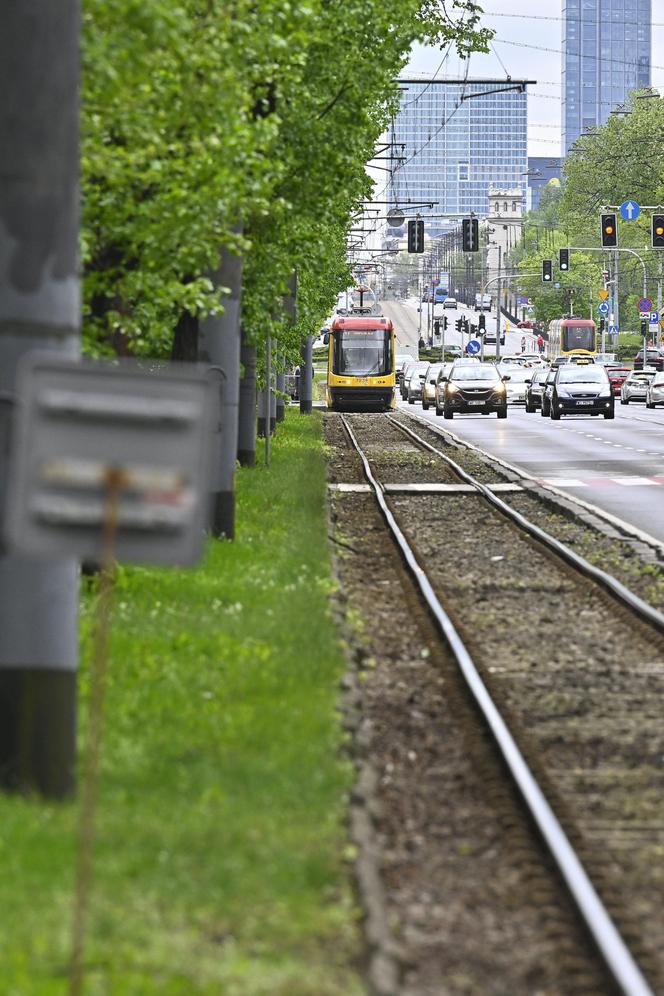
{"type": "Point", "coordinates": [429, 389]}
{"type": "Point", "coordinates": [519, 379]}
{"type": "Point", "coordinates": [635, 386]}
{"type": "Point", "coordinates": [415, 381]}
{"type": "Point", "coordinates": [655, 394]}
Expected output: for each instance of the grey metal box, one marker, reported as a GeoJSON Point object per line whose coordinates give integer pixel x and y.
{"type": "Point", "coordinates": [76, 422]}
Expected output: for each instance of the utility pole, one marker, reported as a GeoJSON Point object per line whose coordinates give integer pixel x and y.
{"type": "Point", "coordinates": [39, 309]}
{"type": "Point", "coordinates": [219, 346]}
{"type": "Point", "coordinates": [500, 296]}
{"type": "Point", "coordinates": [659, 298]}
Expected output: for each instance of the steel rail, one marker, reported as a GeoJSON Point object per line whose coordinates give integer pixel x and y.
{"type": "Point", "coordinates": [647, 612]}
{"type": "Point", "coordinates": [610, 944]}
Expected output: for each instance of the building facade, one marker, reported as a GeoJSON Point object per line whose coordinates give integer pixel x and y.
{"type": "Point", "coordinates": [606, 54]}
{"type": "Point", "coordinates": [457, 138]}
{"type": "Point", "coordinates": [541, 171]}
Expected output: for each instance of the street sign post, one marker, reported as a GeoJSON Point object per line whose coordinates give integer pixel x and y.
{"type": "Point", "coordinates": [630, 210]}
{"type": "Point", "coordinates": [645, 304]}
{"type": "Point", "coordinates": [87, 430]}
{"type": "Point", "coordinates": [603, 307]}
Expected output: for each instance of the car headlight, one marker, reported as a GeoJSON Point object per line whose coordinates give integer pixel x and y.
{"type": "Point", "coordinates": [500, 388]}
{"type": "Point", "coordinates": [453, 389]}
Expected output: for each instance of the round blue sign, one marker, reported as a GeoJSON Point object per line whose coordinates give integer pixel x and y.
{"type": "Point", "coordinates": [630, 210]}
{"type": "Point", "coordinates": [645, 304]}
{"type": "Point", "coordinates": [603, 307]}
{"type": "Point", "coordinates": [473, 346]}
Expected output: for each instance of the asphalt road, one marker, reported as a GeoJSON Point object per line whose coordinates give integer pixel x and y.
{"type": "Point", "coordinates": [406, 320]}
{"type": "Point", "coordinates": [617, 465]}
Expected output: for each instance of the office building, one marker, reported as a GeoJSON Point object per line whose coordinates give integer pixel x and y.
{"type": "Point", "coordinates": [457, 138]}
{"type": "Point", "coordinates": [541, 171]}
{"type": "Point", "coordinates": [606, 54]}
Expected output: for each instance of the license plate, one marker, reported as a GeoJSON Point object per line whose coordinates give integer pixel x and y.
{"type": "Point", "coordinates": [475, 402]}
{"type": "Point", "coordinates": [585, 402]}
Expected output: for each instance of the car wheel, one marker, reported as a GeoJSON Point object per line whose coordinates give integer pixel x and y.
{"type": "Point", "coordinates": [425, 406]}
{"type": "Point", "coordinates": [411, 401]}
{"type": "Point", "coordinates": [439, 411]}
{"type": "Point", "coordinates": [610, 414]}
{"type": "Point", "coordinates": [624, 401]}
{"type": "Point", "coordinates": [543, 412]}
{"type": "Point", "coordinates": [649, 404]}
{"type": "Point", "coordinates": [529, 408]}
{"type": "Point", "coordinates": [502, 412]}
{"type": "Point", "coordinates": [555, 416]}
{"type": "Point", "coordinates": [447, 412]}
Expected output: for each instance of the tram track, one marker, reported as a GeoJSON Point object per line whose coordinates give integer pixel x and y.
{"type": "Point", "coordinates": [559, 684]}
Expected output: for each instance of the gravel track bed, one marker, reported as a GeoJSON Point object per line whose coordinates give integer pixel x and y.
{"type": "Point", "coordinates": [580, 677]}
{"type": "Point", "coordinates": [470, 899]}
{"type": "Point", "coordinates": [621, 556]}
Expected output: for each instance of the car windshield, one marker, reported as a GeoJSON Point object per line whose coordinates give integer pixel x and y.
{"type": "Point", "coordinates": [433, 371]}
{"type": "Point", "coordinates": [540, 376]}
{"type": "Point", "coordinates": [575, 373]}
{"type": "Point", "coordinates": [474, 372]}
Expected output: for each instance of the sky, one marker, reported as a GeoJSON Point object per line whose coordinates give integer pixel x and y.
{"type": "Point", "coordinates": [519, 24]}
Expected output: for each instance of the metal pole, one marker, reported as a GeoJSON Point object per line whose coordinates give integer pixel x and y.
{"type": "Point", "coordinates": [659, 299]}
{"type": "Point", "coordinates": [39, 309]}
{"type": "Point", "coordinates": [219, 345]}
{"type": "Point", "coordinates": [306, 385]}
{"type": "Point", "coordinates": [616, 303]}
{"type": "Point", "coordinates": [500, 294]}
{"type": "Point", "coordinates": [268, 396]}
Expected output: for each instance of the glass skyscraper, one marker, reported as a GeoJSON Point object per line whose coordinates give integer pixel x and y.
{"type": "Point", "coordinates": [455, 148]}
{"type": "Point", "coordinates": [606, 53]}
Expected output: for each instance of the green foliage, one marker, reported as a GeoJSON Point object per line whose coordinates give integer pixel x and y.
{"type": "Point", "coordinates": [202, 118]}
{"type": "Point", "coordinates": [219, 855]}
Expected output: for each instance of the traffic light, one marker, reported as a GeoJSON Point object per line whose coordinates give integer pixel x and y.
{"type": "Point", "coordinates": [470, 234]}
{"type": "Point", "coordinates": [563, 259]}
{"type": "Point", "coordinates": [482, 323]}
{"type": "Point", "coordinates": [658, 231]}
{"type": "Point", "coordinates": [445, 322]}
{"type": "Point", "coordinates": [415, 235]}
{"type": "Point", "coordinates": [457, 325]}
{"type": "Point", "coordinates": [547, 271]}
{"type": "Point", "coordinates": [602, 325]}
{"type": "Point", "coordinates": [436, 327]}
{"type": "Point", "coordinates": [644, 327]}
{"type": "Point", "coordinates": [464, 324]}
{"type": "Point", "coordinates": [609, 231]}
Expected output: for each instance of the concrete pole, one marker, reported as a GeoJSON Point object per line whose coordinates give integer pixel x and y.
{"type": "Point", "coordinates": [281, 387]}
{"type": "Point", "coordinates": [246, 432]}
{"type": "Point", "coordinates": [219, 346]}
{"type": "Point", "coordinates": [39, 309]}
{"type": "Point", "coordinates": [306, 380]}
{"type": "Point", "coordinates": [659, 297]}
{"type": "Point", "coordinates": [500, 297]}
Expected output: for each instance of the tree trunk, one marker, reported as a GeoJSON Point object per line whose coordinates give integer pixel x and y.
{"type": "Point", "coordinates": [246, 438]}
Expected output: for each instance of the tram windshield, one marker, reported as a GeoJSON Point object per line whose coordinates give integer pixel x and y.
{"type": "Point", "coordinates": [363, 352]}
{"type": "Point", "coordinates": [578, 337]}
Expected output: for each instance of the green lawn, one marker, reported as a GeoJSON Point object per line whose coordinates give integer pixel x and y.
{"type": "Point", "coordinates": [219, 859]}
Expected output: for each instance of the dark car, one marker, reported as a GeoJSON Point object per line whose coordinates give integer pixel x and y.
{"type": "Point", "coordinates": [535, 388]}
{"type": "Point", "coordinates": [617, 377]}
{"type": "Point", "coordinates": [581, 389]}
{"type": "Point", "coordinates": [476, 388]}
{"type": "Point", "coordinates": [654, 359]}
{"type": "Point", "coordinates": [545, 408]}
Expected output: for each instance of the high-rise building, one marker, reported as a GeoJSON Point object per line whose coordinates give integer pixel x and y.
{"type": "Point", "coordinates": [606, 54]}
{"type": "Point", "coordinates": [457, 138]}
{"type": "Point", "coordinates": [542, 171]}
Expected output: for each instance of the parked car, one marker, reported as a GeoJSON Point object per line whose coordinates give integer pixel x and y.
{"type": "Point", "coordinates": [474, 388]}
{"type": "Point", "coordinates": [519, 379]}
{"type": "Point", "coordinates": [655, 395]}
{"type": "Point", "coordinates": [545, 408]}
{"type": "Point", "coordinates": [416, 381]}
{"type": "Point", "coordinates": [429, 389]}
{"type": "Point", "coordinates": [635, 386]}
{"type": "Point", "coordinates": [534, 389]}
{"type": "Point", "coordinates": [654, 358]}
{"type": "Point", "coordinates": [450, 302]}
{"type": "Point", "coordinates": [581, 389]}
{"type": "Point", "coordinates": [617, 376]}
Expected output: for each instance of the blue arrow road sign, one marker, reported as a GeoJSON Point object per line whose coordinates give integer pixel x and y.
{"type": "Point", "coordinates": [630, 210]}
{"type": "Point", "coordinates": [603, 307]}
{"type": "Point", "coordinates": [645, 304]}
{"type": "Point", "coordinates": [473, 346]}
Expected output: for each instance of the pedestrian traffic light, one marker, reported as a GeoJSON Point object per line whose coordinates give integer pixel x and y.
{"type": "Point", "coordinates": [547, 271]}
{"type": "Point", "coordinates": [658, 231]}
{"type": "Point", "coordinates": [415, 235]}
{"type": "Point", "coordinates": [436, 327]}
{"type": "Point", "coordinates": [644, 327]}
{"type": "Point", "coordinates": [470, 234]}
{"type": "Point", "coordinates": [563, 259]}
{"type": "Point", "coordinates": [482, 323]}
{"type": "Point", "coordinates": [609, 231]}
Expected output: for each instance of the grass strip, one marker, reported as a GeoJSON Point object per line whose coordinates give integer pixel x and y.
{"type": "Point", "coordinates": [219, 862]}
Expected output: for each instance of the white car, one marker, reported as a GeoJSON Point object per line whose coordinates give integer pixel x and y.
{"type": "Point", "coordinates": [534, 359]}
{"type": "Point", "coordinates": [519, 379]}
{"type": "Point", "coordinates": [635, 386]}
{"type": "Point", "coordinates": [655, 394]}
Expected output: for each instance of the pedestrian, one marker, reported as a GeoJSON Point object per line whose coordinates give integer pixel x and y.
{"type": "Point", "coordinates": [523, 343]}
{"type": "Point", "coordinates": [540, 343]}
